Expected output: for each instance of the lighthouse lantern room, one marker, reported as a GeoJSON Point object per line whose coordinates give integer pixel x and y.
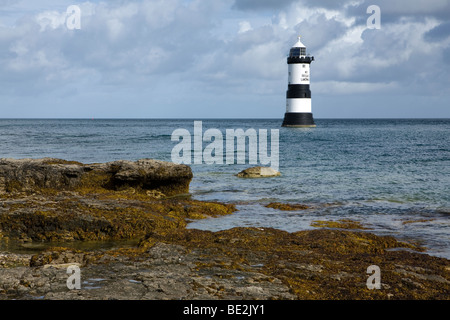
{"type": "Point", "coordinates": [298, 96]}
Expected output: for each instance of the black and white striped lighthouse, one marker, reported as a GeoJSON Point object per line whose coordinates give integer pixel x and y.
{"type": "Point", "coordinates": [298, 96]}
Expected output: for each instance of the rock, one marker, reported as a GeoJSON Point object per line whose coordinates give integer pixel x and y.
{"type": "Point", "coordinates": [165, 271]}
{"type": "Point", "coordinates": [55, 200]}
{"type": "Point", "coordinates": [258, 172]}
{"type": "Point", "coordinates": [261, 264]}
{"type": "Point", "coordinates": [286, 206]}
{"type": "Point", "coordinates": [36, 175]}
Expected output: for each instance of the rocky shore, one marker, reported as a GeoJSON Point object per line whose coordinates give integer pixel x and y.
{"type": "Point", "coordinates": [123, 224]}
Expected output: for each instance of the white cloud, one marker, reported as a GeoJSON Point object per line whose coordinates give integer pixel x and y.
{"type": "Point", "coordinates": [413, 6]}
{"type": "Point", "coordinates": [244, 26]}
{"type": "Point", "coordinates": [51, 19]}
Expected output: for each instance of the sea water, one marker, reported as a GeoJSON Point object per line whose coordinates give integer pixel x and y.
{"type": "Point", "coordinates": [392, 175]}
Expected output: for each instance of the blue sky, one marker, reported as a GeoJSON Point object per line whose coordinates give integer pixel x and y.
{"type": "Point", "coordinates": [222, 58]}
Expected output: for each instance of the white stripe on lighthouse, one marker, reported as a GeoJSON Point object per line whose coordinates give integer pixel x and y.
{"type": "Point", "coordinates": [298, 105]}
{"type": "Point", "coordinates": [298, 73]}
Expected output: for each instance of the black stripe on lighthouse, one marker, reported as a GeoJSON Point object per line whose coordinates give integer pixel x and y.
{"type": "Point", "coordinates": [291, 60]}
{"type": "Point", "coordinates": [298, 119]}
{"type": "Point", "coordinates": [298, 91]}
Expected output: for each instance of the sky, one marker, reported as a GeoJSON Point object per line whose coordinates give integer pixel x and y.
{"type": "Point", "coordinates": [222, 58]}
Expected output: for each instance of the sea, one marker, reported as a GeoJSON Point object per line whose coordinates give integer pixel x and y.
{"type": "Point", "coordinates": [391, 175]}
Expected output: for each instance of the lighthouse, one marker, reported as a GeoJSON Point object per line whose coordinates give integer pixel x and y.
{"type": "Point", "coordinates": [298, 96]}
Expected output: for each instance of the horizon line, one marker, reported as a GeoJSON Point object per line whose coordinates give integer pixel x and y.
{"type": "Point", "coordinates": [219, 118]}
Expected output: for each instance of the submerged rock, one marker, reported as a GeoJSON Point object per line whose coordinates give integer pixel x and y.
{"type": "Point", "coordinates": [258, 172]}
{"type": "Point", "coordinates": [35, 175]}
{"type": "Point", "coordinates": [286, 206]}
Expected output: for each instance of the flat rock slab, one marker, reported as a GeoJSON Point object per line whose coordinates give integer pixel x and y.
{"type": "Point", "coordinates": [33, 175]}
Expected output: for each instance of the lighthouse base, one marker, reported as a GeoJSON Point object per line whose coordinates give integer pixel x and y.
{"type": "Point", "coordinates": [298, 120]}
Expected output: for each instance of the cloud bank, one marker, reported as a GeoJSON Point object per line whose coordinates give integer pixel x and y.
{"type": "Point", "coordinates": [179, 58]}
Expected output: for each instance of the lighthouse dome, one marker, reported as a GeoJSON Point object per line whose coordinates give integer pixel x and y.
{"type": "Point", "coordinates": [298, 49]}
